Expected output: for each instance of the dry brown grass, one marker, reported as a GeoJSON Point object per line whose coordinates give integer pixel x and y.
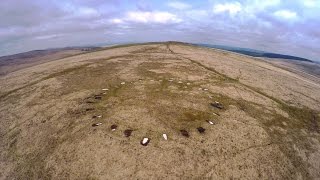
{"type": "Point", "coordinates": [46, 122]}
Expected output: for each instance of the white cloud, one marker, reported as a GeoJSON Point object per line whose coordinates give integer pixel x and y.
{"type": "Point", "coordinates": [310, 3]}
{"type": "Point", "coordinates": [257, 5]}
{"type": "Point", "coordinates": [197, 13]}
{"type": "Point", "coordinates": [48, 36]}
{"type": "Point", "coordinates": [114, 33]}
{"type": "Point", "coordinates": [266, 4]}
{"type": "Point", "coordinates": [80, 11]}
{"type": "Point", "coordinates": [152, 17]}
{"type": "Point", "coordinates": [285, 14]}
{"type": "Point", "coordinates": [232, 8]}
{"type": "Point", "coordinates": [179, 5]}
{"type": "Point", "coordinates": [85, 11]}
{"type": "Point", "coordinates": [116, 21]}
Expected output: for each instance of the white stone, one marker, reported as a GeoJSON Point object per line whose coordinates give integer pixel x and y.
{"type": "Point", "coordinates": [123, 83]}
{"type": "Point", "coordinates": [145, 140]}
{"type": "Point", "coordinates": [98, 124]}
{"type": "Point", "coordinates": [165, 136]}
{"type": "Point", "coordinates": [210, 122]}
{"type": "Point", "coordinates": [106, 89]}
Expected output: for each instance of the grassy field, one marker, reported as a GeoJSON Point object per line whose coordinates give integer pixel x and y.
{"type": "Point", "coordinates": [262, 132]}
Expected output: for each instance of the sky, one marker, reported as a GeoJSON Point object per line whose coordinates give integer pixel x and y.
{"type": "Point", "coordinates": [290, 27]}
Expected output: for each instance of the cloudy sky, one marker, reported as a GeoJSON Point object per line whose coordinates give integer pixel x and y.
{"type": "Point", "coordinates": [289, 27]}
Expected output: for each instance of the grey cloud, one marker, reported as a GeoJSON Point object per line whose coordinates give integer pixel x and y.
{"type": "Point", "coordinates": [27, 13]}
{"type": "Point", "coordinates": [26, 25]}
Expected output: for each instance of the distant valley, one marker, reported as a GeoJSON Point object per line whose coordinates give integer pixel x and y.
{"type": "Point", "coordinates": [255, 53]}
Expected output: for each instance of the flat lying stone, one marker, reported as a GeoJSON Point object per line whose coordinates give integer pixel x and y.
{"type": "Point", "coordinates": [97, 97]}
{"type": "Point", "coordinates": [96, 124]}
{"type": "Point", "coordinates": [210, 122]}
{"type": "Point", "coordinates": [217, 114]}
{"type": "Point", "coordinates": [217, 105]}
{"type": "Point", "coordinates": [96, 116]}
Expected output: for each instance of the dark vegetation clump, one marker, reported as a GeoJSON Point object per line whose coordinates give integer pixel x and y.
{"type": "Point", "coordinates": [201, 129]}
{"type": "Point", "coordinates": [89, 109]}
{"type": "Point", "coordinates": [314, 127]}
{"type": "Point", "coordinates": [184, 133]}
{"type": "Point", "coordinates": [127, 132]}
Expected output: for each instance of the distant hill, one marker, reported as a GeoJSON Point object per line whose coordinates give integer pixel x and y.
{"type": "Point", "coordinates": [36, 53]}
{"type": "Point", "coordinates": [15, 62]}
{"type": "Point", "coordinates": [255, 53]}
